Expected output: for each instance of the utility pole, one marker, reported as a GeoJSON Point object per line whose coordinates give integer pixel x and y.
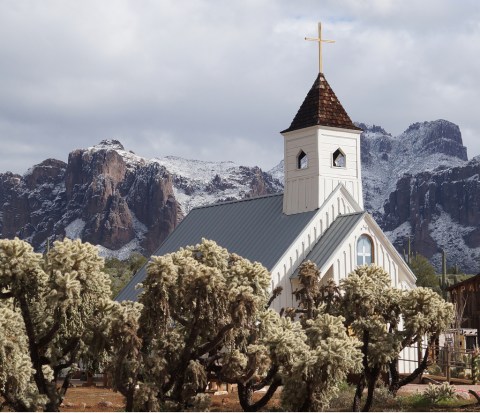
{"type": "Point", "coordinates": [409, 249]}
{"type": "Point", "coordinates": [444, 274]}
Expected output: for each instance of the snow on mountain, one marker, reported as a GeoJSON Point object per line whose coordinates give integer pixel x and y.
{"type": "Point", "coordinates": [451, 236]}
{"type": "Point", "coordinates": [277, 171]}
{"type": "Point", "coordinates": [418, 183]}
{"type": "Point", "coordinates": [74, 230]}
{"type": "Point", "coordinates": [419, 149]}
{"type": "Point", "coordinates": [198, 183]}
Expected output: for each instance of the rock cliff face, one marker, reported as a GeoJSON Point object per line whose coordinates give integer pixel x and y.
{"type": "Point", "coordinates": [422, 147]}
{"type": "Point", "coordinates": [421, 185]}
{"type": "Point", "coordinates": [31, 205]}
{"type": "Point", "coordinates": [115, 199]}
{"type": "Point", "coordinates": [439, 210]}
{"type": "Point", "coordinates": [104, 195]}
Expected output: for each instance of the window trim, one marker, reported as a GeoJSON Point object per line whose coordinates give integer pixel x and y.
{"type": "Point", "coordinates": [333, 157]}
{"type": "Point", "coordinates": [302, 155]}
{"type": "Point", "coordinates": [372, 251]}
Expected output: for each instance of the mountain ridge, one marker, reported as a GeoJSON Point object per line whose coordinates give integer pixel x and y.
{"type": "Point", "coordinates": [413, 183]}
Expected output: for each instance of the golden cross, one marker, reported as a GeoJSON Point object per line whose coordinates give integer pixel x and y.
{"type": "Point", "coordinates": [320, 41]}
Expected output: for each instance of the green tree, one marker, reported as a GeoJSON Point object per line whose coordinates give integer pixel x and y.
{"type": "Point", "coordinates": [56, 306]}
{"type": "Point", "coordinates": [425, 273]}
{"type": "Point", "coordinates": [121, 272]}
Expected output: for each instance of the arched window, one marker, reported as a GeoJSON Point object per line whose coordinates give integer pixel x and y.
{"type": "Point", "coordinates": [302, 160]}
{"type": "Point", "coordinates": [339, 159]}
{"type": "Point", "coordinates": [364, 250]}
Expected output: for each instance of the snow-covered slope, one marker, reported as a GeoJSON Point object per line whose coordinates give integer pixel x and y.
{"type": "Point", "coordinates": [423, 147]}
{"type": "Point", "coordinates": [199, 183]}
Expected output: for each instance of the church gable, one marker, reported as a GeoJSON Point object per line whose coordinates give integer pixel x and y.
{"type": "Point", "coordinates": [340, 202]}
{"type": "Point", "coordinates": [355, 239]}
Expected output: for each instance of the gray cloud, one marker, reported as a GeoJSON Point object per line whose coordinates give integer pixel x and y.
{"type": "Point", "coordinates": [218, 80]}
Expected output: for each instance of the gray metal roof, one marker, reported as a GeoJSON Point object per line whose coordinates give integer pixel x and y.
{"type": "Point", "coordinates": [256, 229]}
{"type": "Point", "coordinates": [331, 240]}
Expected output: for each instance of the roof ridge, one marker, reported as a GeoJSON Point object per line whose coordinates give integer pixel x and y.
{"type": "Point", "coordinates": [351, 213]}
{"type": "Point", "coordinates": [332, 238]}
{"type": "Point", "coordinates": [234, 201]}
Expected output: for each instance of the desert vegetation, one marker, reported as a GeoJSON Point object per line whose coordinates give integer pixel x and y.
{"type": "Point", "coordinates": [203, 314]}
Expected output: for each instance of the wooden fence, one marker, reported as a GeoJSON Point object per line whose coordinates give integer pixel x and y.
{"type": "Point", "coordinates": [447, 363]}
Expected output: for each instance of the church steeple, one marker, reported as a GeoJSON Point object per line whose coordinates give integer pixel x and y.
{"type": "Point", "coordinates": [321, 107]}
{"type": "Point", "coordinates": [322, 150]}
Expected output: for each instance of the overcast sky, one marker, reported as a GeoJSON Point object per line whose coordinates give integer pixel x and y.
{"type": "Point", "coordinates": [218, 80]}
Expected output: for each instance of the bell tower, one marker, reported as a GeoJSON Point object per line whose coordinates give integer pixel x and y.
{"type": "Point", "coordinates": [321, 150]}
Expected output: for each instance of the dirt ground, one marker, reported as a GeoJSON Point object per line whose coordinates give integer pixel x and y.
{"type": "Point", "coordinates": [92, 399]}
{"type": "Point", "coordinates": [100, 399]}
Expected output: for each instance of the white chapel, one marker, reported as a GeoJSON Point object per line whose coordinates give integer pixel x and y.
{"type": "Point", "coordinates": [319, 217]}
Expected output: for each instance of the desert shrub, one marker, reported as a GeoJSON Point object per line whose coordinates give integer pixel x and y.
{"type": "Point", "coordinates": [382, 396]}
{"type": "Point", "coordinates": [435, 393]}
{"type": "Point", "coordinates": [342, 401]}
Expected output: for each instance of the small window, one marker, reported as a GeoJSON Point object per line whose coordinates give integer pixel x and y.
{"type": "Point", "coordinates": [339, 159]}
{"type": "Point", "coordinates": [364, 250]}
{"type": "Point", "coordinates": [302, 160]}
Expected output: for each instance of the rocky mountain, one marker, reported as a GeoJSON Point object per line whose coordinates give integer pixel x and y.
{"type": "Point", "coordinates": [419, 184]}
{"type": "Point", "coordinates": [423, 147]}
{"type": "Point", "coordinates": [115, 199]}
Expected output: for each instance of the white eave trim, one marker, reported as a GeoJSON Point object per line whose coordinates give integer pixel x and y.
{"type": "Point", "coordinates": [391, 249]}
{"type": "Point", "coordinates": [340, 188]}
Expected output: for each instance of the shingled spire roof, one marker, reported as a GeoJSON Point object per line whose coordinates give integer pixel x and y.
{"type": "Point", "coordinates": [321, 107]}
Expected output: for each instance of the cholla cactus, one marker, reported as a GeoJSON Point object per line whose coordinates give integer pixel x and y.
{"type": "Point", "coordinates": [325, 354]}
{"type": "Point", "coordinates": [321, 366]}
{"type": "Point", "coordinates": [16, 371]}
{"type": "Point", "coordinates": [198, 306]}
{"type": "Point", "coordinates": [373, 312]}
{"type": "Point", "coordinates": [57, 301]}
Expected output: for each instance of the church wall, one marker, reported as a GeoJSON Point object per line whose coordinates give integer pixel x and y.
{"type": "Point", "coordinates": [337, 204]}
{"type": "Point", "coordinates": [307, 189]}
{"type": "Point", "coordinates": [344, 260]}
{"type": "Point", "coordinates": [301, 185]}
{"type": "Point", "coordinates": [327, 145]}
{"type": "Point", "coordinates": [330, 176]}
